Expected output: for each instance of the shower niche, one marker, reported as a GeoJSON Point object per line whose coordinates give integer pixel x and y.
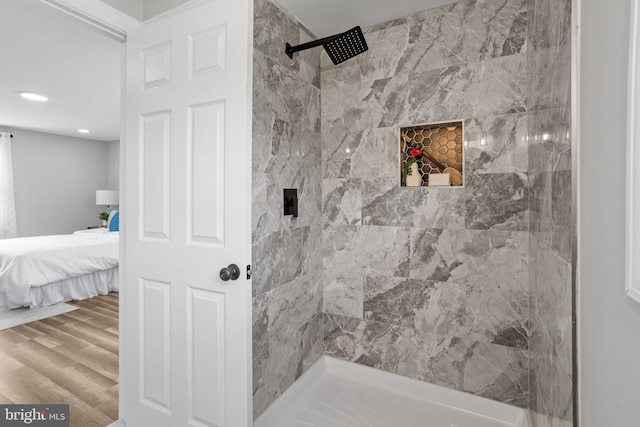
{"type": "Point", "coordinates": [431, 155]}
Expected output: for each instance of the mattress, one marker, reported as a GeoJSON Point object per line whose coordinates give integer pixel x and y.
{"type": "Point", "coordinates": [85, 262]}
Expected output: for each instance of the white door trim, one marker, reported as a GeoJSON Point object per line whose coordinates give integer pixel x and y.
{"type": "Point", "coordinates": [633, 159]}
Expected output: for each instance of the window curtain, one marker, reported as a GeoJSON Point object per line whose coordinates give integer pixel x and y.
{"type": "Point", "coordinates": [8, 228]}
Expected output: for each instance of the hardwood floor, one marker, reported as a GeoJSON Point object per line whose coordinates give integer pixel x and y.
{"type": "Point", "coordinates": [71, 358]}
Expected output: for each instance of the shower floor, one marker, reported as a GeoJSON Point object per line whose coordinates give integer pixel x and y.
{"type": "Point", "coordinates": [335, 393]}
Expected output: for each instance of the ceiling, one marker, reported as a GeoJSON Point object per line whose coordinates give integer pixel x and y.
{"type": "Point", "coordinates": [327, 17]}
{"type": "Point", "coordinates": [78, 67]}
{"type": "Point", "coordinates": [48, 52]}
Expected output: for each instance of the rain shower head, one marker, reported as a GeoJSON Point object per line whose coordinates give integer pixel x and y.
{"type": "Point", "coordinates": [339, 47]}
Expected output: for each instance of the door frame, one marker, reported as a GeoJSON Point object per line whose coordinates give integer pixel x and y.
{"type": "Point", "coordinates": [117, 25]}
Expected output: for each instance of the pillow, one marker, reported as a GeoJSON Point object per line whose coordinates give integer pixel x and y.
{"type": "Point", "coordinates": [111, 214]}
{"type": "Point", "coordinates": [114, 222]}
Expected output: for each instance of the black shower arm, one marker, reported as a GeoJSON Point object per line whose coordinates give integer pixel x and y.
{"type": "Point", "coordinates": [290, 50]}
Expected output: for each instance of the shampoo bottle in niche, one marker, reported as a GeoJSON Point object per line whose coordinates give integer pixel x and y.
{"type": "Point", "coordinates": [414, 179]}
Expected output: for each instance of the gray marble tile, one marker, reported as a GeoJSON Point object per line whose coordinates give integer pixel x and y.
{"type": "Point", "coordinates": [267, 208]}
{"type": "Point", "coordinates": [550, 81]}
{"type": "Point", "coordinates": [288, 317]}
{"type": "Point", "coordinates": [312, 341]}
{"type": "Point", "coordinates": [497, 201]}
{"type": "Point", "coordinates": [276, 149]}
{"type": "Point", "coordinates": [277, 259]}
{"type": "Point", "coordinates": [279, 92]}
{"type": "Point", "coordinates": [259, 219]}
{"type": "Point", "coordinates": [492, 87]}
{"type": "Point", "coordinates": [553, 382]}
{"type": "Point", "coordinates": [493, 371]}
{"type": "Point", "coordinates": [385, 203]}
{"type": "Point", "coordinates": [294, 304]}
{"type": "Point", "coordinates": [360, 154]}
{"type": "Point", "coordinates": [273, 27]}
{"type": "Point", "coordinates": [260, 339]}
{"type": "Point", "coordinates": [485, 369]}
{"type": "Point", "coordinates": [496, 144]}
{"type": "Point", "coordinates": [377, 154]}
{"type": "Point", "coordinates": [550, 23]}
{"type": "Point", "coordinates": [550, 140]}
{"type": "Point", "coordinates": [338, 146]}
{"type": "Point", "coordinates": [342, 202]}
{"type": "Point", "coordinates": [386, 48]}
{"type": "Point", "coordinates": [467, 31]}
{"type": "Point", "coordinates": [312, 248]}
{"type": "Point", "coordinates": [287, 259]}
{"type": "Point", "coordinates": [282, 368]}
{"type": "Point", "coordinates": [309, 201]}
{"type": "Point", "coordinates": [436, 255]}
{"type": "Point", "coordinates": [344, 292]}
{"type": "Point", "coordinates": [309, 60]}
{"type": "Point", "coordinates": [499, 260]}
{"type": "Point", "coordinates": [310, 153]}
{"type": "Point", "coordinates": [377, 250]}
{"type": "Point", "coordinates": [483, 258]}
{"type": "Point", "coordinates": [550, 199]}
{"type": "Point", "coordinates": [469, 311]}
{"type": "Point", "coordinates": [551, 302]}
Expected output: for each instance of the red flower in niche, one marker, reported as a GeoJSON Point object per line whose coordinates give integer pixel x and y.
{"type": "Point", "coordinates": [415, 153]}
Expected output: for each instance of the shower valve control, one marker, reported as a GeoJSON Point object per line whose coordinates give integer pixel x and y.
{"type": "Point", "coordinates": [231, 272]}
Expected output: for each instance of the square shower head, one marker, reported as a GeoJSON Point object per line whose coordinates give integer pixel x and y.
{"type": "Point", "coordinates": [346, 45]}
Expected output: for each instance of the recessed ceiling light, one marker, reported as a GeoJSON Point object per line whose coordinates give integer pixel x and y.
{"type": "Point", "coordinates": [83, 130]}
{"type": "Point", "coordinates": [34, 96]}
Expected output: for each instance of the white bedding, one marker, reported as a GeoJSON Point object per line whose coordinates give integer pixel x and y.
{"type": "Point", "coordinates": [29, 262]}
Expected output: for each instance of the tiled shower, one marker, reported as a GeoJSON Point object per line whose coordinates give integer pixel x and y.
{"type": "Point", "coordinates": [467, 287]}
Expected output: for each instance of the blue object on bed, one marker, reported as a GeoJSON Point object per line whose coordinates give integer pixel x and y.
{"type": "Point", "coordinates": [114, 224]}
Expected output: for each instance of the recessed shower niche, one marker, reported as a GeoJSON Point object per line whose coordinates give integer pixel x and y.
{"type": "Point", "coordinates": [432, 155]}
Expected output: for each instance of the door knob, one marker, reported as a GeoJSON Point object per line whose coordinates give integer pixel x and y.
{"type": "Point", "coordinates": [231, 272]}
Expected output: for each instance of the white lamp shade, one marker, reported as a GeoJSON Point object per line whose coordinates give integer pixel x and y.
{"type": "Point", "coordinates": [107, 197]}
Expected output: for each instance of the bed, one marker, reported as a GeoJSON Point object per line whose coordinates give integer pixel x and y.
{"type": "Point", "coordinates": [46, 270]}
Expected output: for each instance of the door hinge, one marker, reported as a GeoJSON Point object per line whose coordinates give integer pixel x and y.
{"type": "Point", "coordinates": [249, 272]}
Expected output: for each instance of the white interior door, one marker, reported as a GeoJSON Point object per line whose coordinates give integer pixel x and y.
{"type": "Point", "coordinates": [186, 333]}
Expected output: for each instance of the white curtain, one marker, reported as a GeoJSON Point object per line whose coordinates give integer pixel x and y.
{"type": "Point", "coordinates": [8, 227]}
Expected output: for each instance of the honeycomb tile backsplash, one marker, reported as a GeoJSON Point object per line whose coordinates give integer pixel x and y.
{"type": "Point", "coordinates": [441, 150]}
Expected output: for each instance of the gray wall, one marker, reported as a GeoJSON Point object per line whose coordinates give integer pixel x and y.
{"type": "Point", "coordinates": [431, 283]}
{"type": "Point", "coordinates": [55, 182]}
{"type": "Point", "coordinates": [550, 197]}
{"type": "Point", "coordinates": [609, 321]}
{"type": "Point", "coordinates": [113, 165]}
{"type": "Point", "coordinates": [287, 288]}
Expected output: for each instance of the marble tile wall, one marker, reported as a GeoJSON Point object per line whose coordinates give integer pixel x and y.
{"type": "Point", "coordinates": [470, 287]}
{"type": "Point", "coordinates": [431, 283]}
{"type": "Point", "coordinates": [550, 196]}
{"type": "Point", "coordinates": [287, 285]}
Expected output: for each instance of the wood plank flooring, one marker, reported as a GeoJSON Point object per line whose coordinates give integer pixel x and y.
{"type": "Point", "coordinates": [71, 358]}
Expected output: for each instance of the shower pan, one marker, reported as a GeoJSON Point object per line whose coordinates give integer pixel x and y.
{"type": "Point", "coordinates": [335, 393]}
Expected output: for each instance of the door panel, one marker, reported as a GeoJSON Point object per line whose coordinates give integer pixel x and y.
{"type": "Point", "coordinates": [206, 358]}
{"type": "Point", "coordinates": [156, 175]}
{"type": "Point", "coordinates": [205, 204]}
{"type": "Point", "coordinates": [155, 335]}
{"type": "Point", "coordinates": [187, 339]}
